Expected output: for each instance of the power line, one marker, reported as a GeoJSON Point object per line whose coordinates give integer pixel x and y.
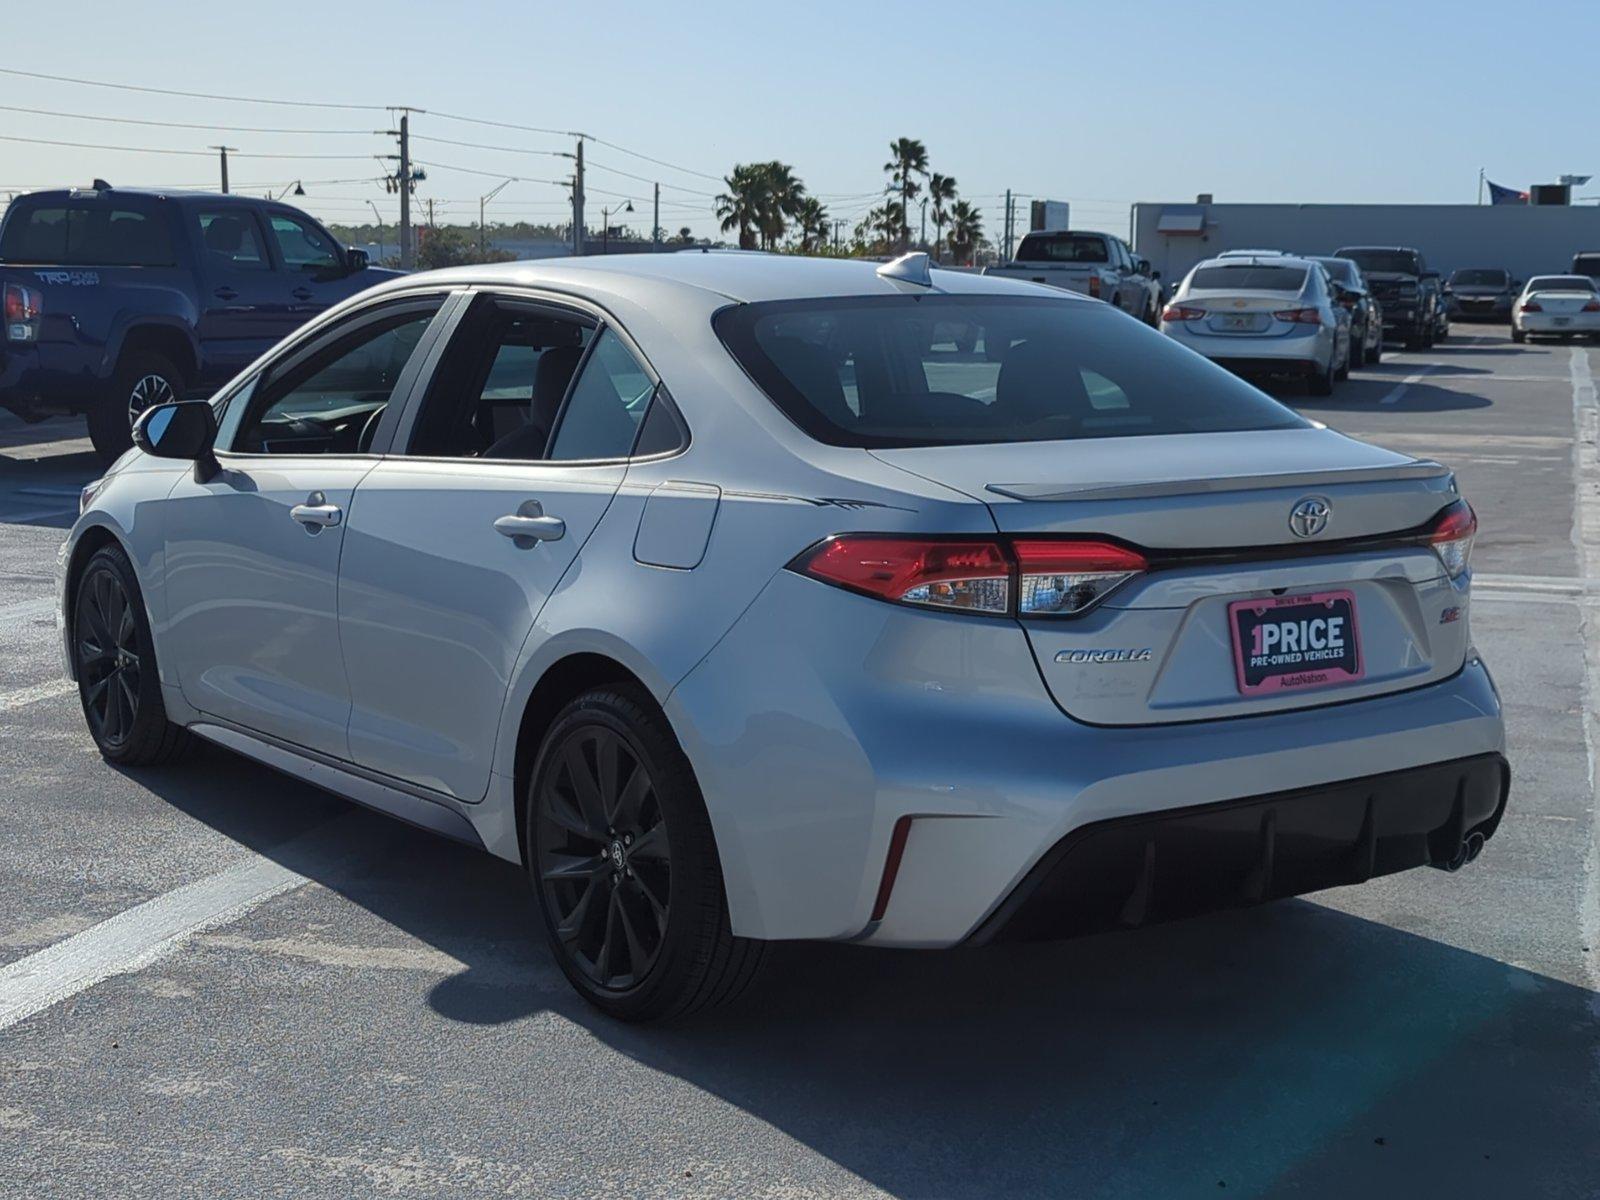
{"type": "Point", "coordinates": [132, 87]}
{"type": "Point", "coordinates": [161, 150]}
{"type": "Point", "coordinates": [45, 112]}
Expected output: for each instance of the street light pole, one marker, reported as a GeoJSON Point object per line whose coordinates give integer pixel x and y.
{"type": "Point", "coordinates": [223, 150]}
{"type": "Point", "coordinates": [605, 226]}
{"type": "Point", "coordinates": [482, 202]}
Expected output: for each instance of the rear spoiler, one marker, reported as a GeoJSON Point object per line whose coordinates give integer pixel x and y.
{"type": "Point", "coordinates": [1421, 469]}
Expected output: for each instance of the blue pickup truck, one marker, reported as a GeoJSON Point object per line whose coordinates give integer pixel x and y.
{"type": "Point", "coordinates": [116, 300]}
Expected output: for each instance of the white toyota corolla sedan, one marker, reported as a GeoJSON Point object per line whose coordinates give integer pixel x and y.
{"type": "Point", "coordinates": [744, 598]}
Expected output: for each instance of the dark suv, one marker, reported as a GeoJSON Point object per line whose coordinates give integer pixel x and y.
{"type": "Point", "coordinates": [1483, 293]}
{"type": "Point", "coordinates": [116, 300]}
{"type": "Point", "coordinates": [1406, 288]}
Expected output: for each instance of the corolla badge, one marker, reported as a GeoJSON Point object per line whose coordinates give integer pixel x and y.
{"type": "Point", "coordinates": [1119, 655]}
{"type": "Point", "coordinates": [1309, 516]}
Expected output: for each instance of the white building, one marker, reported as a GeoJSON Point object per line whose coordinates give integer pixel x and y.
{"type": "Point", "coordinates": [1526, 240]}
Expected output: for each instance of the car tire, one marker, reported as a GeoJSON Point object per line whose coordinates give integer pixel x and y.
{"type": "Point", "coordinates": [113, 656]}
{"type": "Point", "coordinates": [1358, 353]}
{"type": "Point", "coordinates": [1416, 340]}
{"type": "Point", "coordinates": [1375, 352]}
{"type": "Point", "coordinates": [1321, 384]}
{"type": "Point", "coordinates": [142, 379]}
{"type": "Point", "coordinates": [1519, 336]}
{"type": "Point", "coordinates": [621, 855]}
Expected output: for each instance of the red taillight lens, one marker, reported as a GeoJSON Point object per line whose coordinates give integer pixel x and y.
{"type": "Point", "coordinates": [1065, 578]}
{"type": "Point", "coordinates": [1300, 316]}
{"type": "Point", "coordinates": [1182, 312]}
{"type": "Point", "coordinates": [1051, 577]}
{"type": "Point", "coordinates": [1592, 306]}
{"type": "Point", "coordinates": [1451, 537]}
{"type": "Point", "coordinates": [22, 308]}
{"type": "Point", "coordinates": [1094, 286]}
{"type": "Point", "coordinates": [1531, 306]}
{"type": "Point", "coordinates": [974, 576]}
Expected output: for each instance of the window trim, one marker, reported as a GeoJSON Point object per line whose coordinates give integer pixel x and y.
{"type": "Point", "coordinates": [557, 303]}
{"type": "Point", "coordinates": [260, 380]}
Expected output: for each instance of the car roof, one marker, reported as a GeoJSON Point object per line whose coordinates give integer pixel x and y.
{"type": "Point", "coordinates": [145, 194]}
{"type": "Point", "coordinates": [1264, 260]}
{"type": "Point", "coordinates": [1583, 281]}
{"type": "Point", "coordinates": [744, 276]}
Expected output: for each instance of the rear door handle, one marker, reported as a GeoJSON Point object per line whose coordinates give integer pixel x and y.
{"type": "Point", "coordinates": [316, 513]}
{"type": "Point", "coordinates": [301, 293]}
{"type": "Point", "coordinates": [225, 293]}
{"type": "Point", "coordinates": [528, 526]}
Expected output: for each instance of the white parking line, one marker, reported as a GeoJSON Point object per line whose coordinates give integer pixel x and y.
{"type": "Point", "coordinates": [1393, 395]}
{"type": "Point", "coordinates": [1586, 542]}
{"type": "Point", "coordinates": [49, 690]}
{"type": "Point", "coordinates": [26, 610]}
{"type": "Point", "coordinates": [133, 940]}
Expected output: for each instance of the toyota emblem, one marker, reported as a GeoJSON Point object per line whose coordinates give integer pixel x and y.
{"type": "Point", "coordinates": [1309, 517]}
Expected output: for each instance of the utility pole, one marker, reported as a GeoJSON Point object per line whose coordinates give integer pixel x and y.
{"type": "Point", "coordinates": [1480, 185]}
{"type": "Point", "coordinates": [837, 226]}
{"type": "Point", "coordinates": [223, 150]}
{"type": "Point", "coordinates": [483, 201]}
{"type": "Point", "coordinates": [407, 261]}
{"type": "Point", "coordinates": [922, 235]}
{"type": "Point", "coordinates": [655, 223]}
{"type": "Point", "coordinates": [1007, 226]}
{"type": "Point", "coordinates": [430, 212]}
{"type": "Point", "coordinates": [577, 203]}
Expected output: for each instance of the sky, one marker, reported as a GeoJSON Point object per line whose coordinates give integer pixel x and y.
{"type": "Point", "coordinates": [1099, 104]}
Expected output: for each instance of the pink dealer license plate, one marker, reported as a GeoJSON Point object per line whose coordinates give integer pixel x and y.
{"type": "Point", "coordinates": [1288, 642]}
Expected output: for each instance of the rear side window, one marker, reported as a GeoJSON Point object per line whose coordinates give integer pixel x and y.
{"type": "Point", "coordinates": [892, 371]}
{"type": "Point", "coordinates": [1249, 279]}
{"type": "Point", "coordinates": [602, 415]}
{"type": "Point", "coordinates": [1062, 247]}
{"type": "Point", "coordinates": [87, 234]}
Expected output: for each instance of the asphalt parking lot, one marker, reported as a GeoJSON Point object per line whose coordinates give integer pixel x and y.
{"type": "Point", "coordinates": [389, 1023]}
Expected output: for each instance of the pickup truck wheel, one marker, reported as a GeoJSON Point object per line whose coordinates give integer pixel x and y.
{"type": "Point", "coordinates": [142, 380]}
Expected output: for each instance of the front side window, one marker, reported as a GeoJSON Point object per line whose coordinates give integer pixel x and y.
{"type": "Point", "coordinates": [302, 246]}
{"type": "Point", "coordinates": [332, 402]}
{"type": "Point", "coordinates": [882, 372]}
{"type": "Point", "coordinates": [602, 416]}
{"type": "Point", "coordinates": [231, 239]}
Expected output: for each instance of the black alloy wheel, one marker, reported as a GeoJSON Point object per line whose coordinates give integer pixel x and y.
{"type": "Point", "coordinates": [604, 857]}
{"type": "Point", "coordinates": [110, 659]}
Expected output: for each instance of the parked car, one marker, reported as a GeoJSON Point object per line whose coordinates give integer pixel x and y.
{"type": "Point", "coordinates": [1483, 293]}
{"type": "Point", "coordinates": [1254, 254]}
{"type": "Point", "coordinates": [1091, 264]}
{"type": "Point", "coordinates": [1586, 262]}
{"type": "Point", "coordinates": [1564, 306]}
{"type": "Point", "coordinates": [1154, 291]}
{"type": "Point", "coordinates": [1405, 286]}
{"type": "Point", "coordinates": [1366, 314]}
{"type": "Point", "coordinates": [1265, 317]}
{"type": "Point", "coordinates": [119, 299]}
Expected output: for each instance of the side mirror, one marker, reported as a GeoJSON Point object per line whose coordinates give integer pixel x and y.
{"type": "Point", "coordinates": [356, 260]}
{"type": "Point", "coordinates": [186, 430]}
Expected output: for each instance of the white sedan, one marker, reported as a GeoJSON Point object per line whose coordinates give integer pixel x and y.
{"type": "Point", "coordinates": [1557, 306]}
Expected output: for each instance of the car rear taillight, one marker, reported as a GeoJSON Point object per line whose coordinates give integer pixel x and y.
{"type": "Point", "coordinates": [23, 307]}
{"type": "Point", "coordinates": [1451, 537]}
{"type": "Point", "coordinates": [1094, 286]}
{"type": "Point", "coordinates": [1064, 578]}
{"type": "Point", "coordinates": [1300, 316]}
{"type": "Point", "coordinates": [1037, 577]}
{"type": "Point", "coordinates": [1182, 312]}
{"type": "Point", "coordinates": [972, 576]}
{"type": "Point", "coordinates": [1532, 306]}
{"type": "Point", "coordinates": [1592, 306]}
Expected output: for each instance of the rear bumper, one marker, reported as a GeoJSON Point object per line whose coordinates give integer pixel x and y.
{"type": "Point", "coordinates": [1579, 322]}
{"type": "Point", "coordinates": [21, 379]}
{"type": "Point", "coordinates": [1305, 354]}
{"type": "Point", "coordinates": [1182, 862]}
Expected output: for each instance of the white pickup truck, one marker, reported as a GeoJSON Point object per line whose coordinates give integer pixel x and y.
{"type": "Point", "coordinates": [1093, 264]}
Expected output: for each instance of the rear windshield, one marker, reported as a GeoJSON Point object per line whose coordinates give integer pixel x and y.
{"type": "Point", "coordinates": [86, 234]}
{"type": "Point", "coordinates": [1339, 270]}
{"type": "Point", "coordinates": [1395, 262]}
{"type": "Point", "coordinates": [1480, 278]}
{"type": "Point", "coordinates": [1062, 247]}
{"type": "Point", "coordinates": [1561, 283]}
{"type": "Point", "coordinates": [1249, 278]}
{"type": "Point", "coordinates": [891, 371]}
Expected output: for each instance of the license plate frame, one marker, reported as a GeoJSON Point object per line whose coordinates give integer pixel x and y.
{"type": "Point", "coordinates": [1262, 664]}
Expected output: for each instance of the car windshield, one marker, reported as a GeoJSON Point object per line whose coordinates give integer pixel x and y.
{"type": "Point", "coordinates": [879, 372]}
{"type": "Point", "coordinates": [1394, 262]}
{"type": "Point", "coordinates": [1247, 277]}
{"type": "Point", "coordinates": [1480, 278]}
{"type": "Point", "coordinates": [1062, 247]}
{"type": "Point", "coordinates": [1561, 283]}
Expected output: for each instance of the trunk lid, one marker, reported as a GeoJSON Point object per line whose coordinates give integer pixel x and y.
{"type": "Point", "coordinates": [1562, 302]}
{"type": "Point", "coordinates": [1212, 512]}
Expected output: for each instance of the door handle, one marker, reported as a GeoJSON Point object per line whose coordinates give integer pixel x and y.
{"type": "Point", "coordinates": [225, 293]}
{"type": "Point", "coordinates": [316, 513]}
{"type": "Point", "coordinates": [301, 293]}
{"type": "Point", "coordinates": [528, 526]}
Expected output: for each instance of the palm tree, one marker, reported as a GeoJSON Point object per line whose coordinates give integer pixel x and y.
{"type": "Point", "coordinates": [812, 218]}
{"type": "Point", "coordinates": [909, 158]}
{"type": "Point", "coordinates": [966, 230]}
{"type": "Point", "coordinates": [941, 192]}
{"type": "Point", "coordinates": [782, 196]}
{"type": "Point", "coordinates": [740, 207]}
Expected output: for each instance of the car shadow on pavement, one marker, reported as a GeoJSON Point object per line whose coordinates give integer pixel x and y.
{"type": "Point", "coordinates": [1286, 1049]}
{"type": "Point", "coordinates": [1419, 397]}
